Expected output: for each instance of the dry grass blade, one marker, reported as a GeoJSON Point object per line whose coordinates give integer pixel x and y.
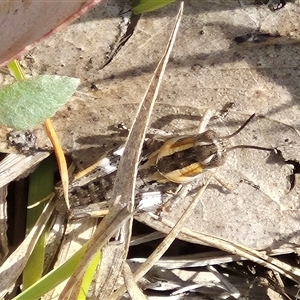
{"type": "Point", "coordinates": [133, 290]}
{"type": "Point", "coordinates": [60, 157]}
{"type": "Point", "coordinates": [165, 244]}
{"type": "Point", "coordinates": [14, 265]}
{"type": "Point", "coordinates": [130, 158]}
{"type": "Point", "coordinates": [234, 292]}
{"type": "Point", "coordinates": [14, 165]}
{"type": "Point", "coordinates": [124, 187]}
{"type": "Point", "coordinates": [243, 251]}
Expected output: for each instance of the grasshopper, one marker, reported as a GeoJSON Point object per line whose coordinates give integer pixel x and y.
{"type": "Point", "coordinates": [166, 163]}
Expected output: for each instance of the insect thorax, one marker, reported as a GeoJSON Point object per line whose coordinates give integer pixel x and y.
{"type": "Point", "coordinates": [202, 151]}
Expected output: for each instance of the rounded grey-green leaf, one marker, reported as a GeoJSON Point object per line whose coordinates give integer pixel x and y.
{"type": "Point", "coordinates": [27, 103]}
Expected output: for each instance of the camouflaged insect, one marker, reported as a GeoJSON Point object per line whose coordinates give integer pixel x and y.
{"type": "Point", "coordinates": [165, 164]}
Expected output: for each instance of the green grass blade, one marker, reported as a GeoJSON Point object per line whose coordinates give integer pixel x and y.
{"type": "Point", "coordinates": [150, 5]}
{"type": "Point", "coordinates": [88, 276]}
{"type": "Point", "coordinates": [41, 184]}
{"type": "Point", "coordinates": [53, 278]}
{"type": "Point", "coordinates": [16, 69]}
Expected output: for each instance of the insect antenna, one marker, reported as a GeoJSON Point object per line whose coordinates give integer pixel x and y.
{"type": "Point", "coordinates": [244, 146]}
{"type": "Point", "coordinates": [250, 147]}
{"type": "Point", "coordinates": [239, 130]}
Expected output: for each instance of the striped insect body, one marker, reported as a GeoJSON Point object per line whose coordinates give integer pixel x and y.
{"type": "Point", "coordinates": [165, 164]}
{"type": "Point", "coordinates": [183, 158]}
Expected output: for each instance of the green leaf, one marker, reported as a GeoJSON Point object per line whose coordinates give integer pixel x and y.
{"type": "Point", "coordinates": [150, 5]}
{"type": "Point", "coordinates": [27, 103]}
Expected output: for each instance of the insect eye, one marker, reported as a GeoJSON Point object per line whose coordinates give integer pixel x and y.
{"type": "Point", "coordinates": [216, 160]}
